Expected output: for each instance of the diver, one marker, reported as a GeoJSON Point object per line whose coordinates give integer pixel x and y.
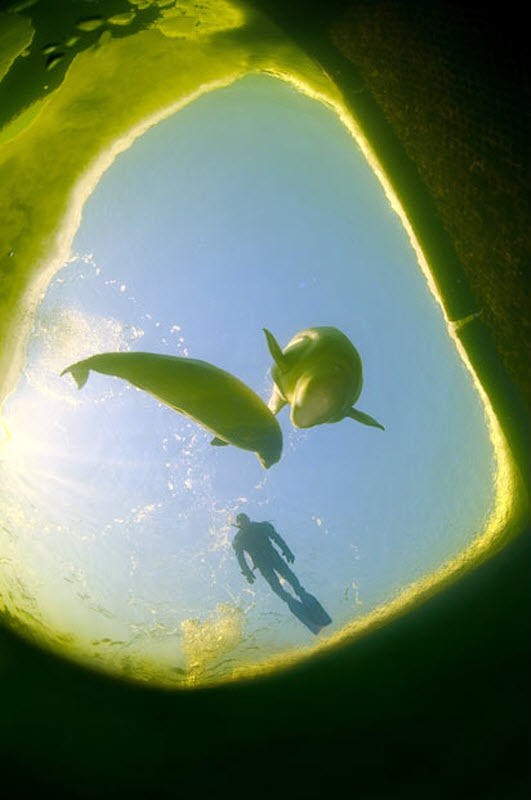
{"type": "Point", "coordinates": [257, 539]}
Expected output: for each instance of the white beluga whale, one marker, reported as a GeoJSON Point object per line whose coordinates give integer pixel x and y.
{"type": "Point", "coordinates": [319, 374]}
{"type": "Point", "coordinates": [215, 399]}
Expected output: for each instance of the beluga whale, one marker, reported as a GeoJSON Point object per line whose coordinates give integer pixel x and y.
{"type": "Point", "coordinates": [319, 374]}
{"type": "Point", "coordinates": [215, 399]}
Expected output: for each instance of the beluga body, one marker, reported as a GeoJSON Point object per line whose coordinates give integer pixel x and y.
{"type": "Point", "coordinates": [319, 374]}
{"type": "Point", "coordinates": [215, 399]}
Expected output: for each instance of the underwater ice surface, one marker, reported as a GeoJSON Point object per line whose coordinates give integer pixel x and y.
{"type": "Point", "coordinates": [250, 208]}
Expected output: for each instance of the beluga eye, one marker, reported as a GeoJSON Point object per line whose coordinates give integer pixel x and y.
{"type": "Point", "coordinates": [185, 501]}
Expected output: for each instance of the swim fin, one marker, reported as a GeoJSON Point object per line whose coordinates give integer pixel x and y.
{"type": "Point", "coordinates": [315, 610]}
{"type": "Point", "coordinates": [301, 612]}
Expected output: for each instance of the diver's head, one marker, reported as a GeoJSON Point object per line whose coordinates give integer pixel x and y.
{"type": "Point", "coordinates": [242, 521]}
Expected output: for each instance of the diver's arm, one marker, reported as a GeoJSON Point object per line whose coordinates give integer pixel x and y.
{"type": "Point", "coordinates": [246, 572]}
{"type": "Point", "coordinates": [286, 552]}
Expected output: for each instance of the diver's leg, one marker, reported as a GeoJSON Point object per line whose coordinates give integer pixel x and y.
{"type": "Point", "coordinates": [295, 606]}
{"type": "Point", "coordinates": [288, 574]}
{"type": "Point", "coordinates": [273, 581]}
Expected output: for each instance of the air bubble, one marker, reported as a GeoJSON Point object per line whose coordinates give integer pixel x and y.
{"type": "Point", "coordinates": [53, 60]}
{"type": "Point", "coordinates": [122, 19]}
{"type": "Point", "coordinates": [16, 7]}
{"type": "Point", "coordinates": [105, 37]}
{"type": "Point", "coordinates": [90, 23]}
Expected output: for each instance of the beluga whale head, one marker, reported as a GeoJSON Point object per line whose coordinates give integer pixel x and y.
{"type": "Point", "coordinates": [319, 374]}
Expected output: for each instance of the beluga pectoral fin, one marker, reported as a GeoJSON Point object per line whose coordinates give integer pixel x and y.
{"type": "Point", "coordinates": [215, 399]}
{"type": "Point", "coordinates": [365, 419]}
{"type": "Point", "coordinates": [276, 351]}
{"type": "Point", "coordinates": [319, 373]}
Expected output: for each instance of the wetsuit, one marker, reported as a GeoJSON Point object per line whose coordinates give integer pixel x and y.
{"type": "Point", "coordinates": [256, 540]}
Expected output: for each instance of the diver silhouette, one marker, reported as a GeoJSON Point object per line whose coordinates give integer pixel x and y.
{"type": "Point", "coordinates": [257, 539]}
